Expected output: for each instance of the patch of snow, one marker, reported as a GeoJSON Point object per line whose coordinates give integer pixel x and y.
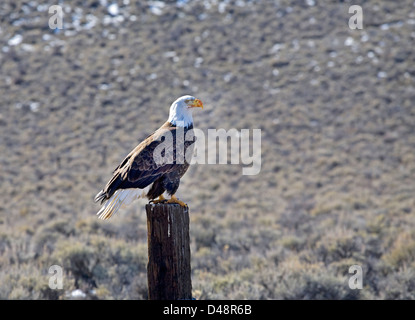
{"type": "Point", "coordinates": [15, 40]}
{"type": "Point", "coordinates": [77, 294]}
{"type": "Point", "coordinates": [113, 9]}
{"type": "Point", "coordinates": [349, 41]}
{"type": "Point", "coordinates": [156, 7]}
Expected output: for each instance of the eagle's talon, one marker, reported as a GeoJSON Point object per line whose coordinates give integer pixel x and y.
{"type": "Point", "coordinates": [161, 199]}
{"type": "Point", "coordinates": [174, 200]}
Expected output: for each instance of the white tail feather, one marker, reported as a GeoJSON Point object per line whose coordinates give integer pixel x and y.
{"type": "Point", "coordinates": [119, 198]}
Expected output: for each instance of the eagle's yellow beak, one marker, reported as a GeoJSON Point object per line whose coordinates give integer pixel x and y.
{"type": "Point", "coordinates": [196, 103]}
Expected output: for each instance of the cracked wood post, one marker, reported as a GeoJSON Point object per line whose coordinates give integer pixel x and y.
{"type": "Point", "coordinates": [168, 269]}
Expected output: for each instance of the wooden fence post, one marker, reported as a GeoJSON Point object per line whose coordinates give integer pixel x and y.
{"type": "Point", "coordinates": [168, 269]}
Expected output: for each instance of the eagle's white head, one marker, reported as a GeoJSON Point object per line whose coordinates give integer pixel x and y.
{"type": "Point", "coordinates": [181, 111]}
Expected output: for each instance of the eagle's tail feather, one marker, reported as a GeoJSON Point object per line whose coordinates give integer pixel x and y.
{"type": "Point", "coordinates": [120, 197]}
{"type": "Point", "coordinates": [100, 196]}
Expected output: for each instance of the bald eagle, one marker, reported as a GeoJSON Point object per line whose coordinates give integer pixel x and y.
{"type": "Point", "coordinates": [142, 168]}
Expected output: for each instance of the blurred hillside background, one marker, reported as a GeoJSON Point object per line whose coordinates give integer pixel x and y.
{"type": "Point", "coordinates": [336, 110]}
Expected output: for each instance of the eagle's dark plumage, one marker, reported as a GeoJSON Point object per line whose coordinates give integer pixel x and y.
{"type": "Point", "coordinates": [144, 166]}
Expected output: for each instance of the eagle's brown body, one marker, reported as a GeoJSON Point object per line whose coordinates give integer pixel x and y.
{"type": "Point", "coordinates": [156, 164]}
{"type": "Point", "coordinates": [142, 167]}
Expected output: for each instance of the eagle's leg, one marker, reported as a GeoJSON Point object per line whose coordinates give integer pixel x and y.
{"type": "Point", "coordinates": [173, 199]}
{"type": "Point", "coordinates": [161, 199]}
